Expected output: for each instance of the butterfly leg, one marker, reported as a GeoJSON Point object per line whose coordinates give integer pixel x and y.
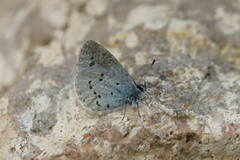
{"type": "Point", "coordinates": [142, 99]}
{"type": "Point", "coordinates": [147, 104]}
{"type": "Point", "coordinates": [124, 111]}
{"type": "Point", "coordinates": [138, 110]}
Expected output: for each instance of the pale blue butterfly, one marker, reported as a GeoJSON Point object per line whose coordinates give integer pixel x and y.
{"type": "Point", "coordinates": [101, 81]}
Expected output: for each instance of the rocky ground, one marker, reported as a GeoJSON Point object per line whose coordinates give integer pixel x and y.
{"type": "Point", "coordinates": [193, 89]}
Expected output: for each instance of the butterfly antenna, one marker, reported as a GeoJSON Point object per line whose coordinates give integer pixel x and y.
{"type": "Point", "coordinates": [147, 71]}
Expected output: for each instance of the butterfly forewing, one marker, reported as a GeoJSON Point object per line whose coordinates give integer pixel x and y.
{"type": "Point", "coordinates": [101, 82]}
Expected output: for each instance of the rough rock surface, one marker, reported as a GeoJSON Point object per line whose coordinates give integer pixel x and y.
{"type": "Point", "coordinates": [193, 88]}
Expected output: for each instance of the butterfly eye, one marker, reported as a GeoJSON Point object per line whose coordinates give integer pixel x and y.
{"type": "Point", "coordinates": [141, 88]}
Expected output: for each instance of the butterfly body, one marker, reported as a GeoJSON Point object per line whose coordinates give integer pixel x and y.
{"type": "Point", "coordinates": [101, 81]}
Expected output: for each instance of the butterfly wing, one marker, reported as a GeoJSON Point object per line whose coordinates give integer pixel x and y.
{"type": "Point", "coordinates": [102, 82]}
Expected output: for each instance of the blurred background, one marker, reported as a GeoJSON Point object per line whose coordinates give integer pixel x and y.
{"type": "Point", "coordinates": [36, 32]}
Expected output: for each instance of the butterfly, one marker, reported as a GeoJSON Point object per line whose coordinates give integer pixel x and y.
{"type": "Point", "coordinates": [101, 82]}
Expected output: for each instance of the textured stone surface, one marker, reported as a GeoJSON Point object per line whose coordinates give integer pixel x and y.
{"type": "Point", "coordinates": [193, 88]}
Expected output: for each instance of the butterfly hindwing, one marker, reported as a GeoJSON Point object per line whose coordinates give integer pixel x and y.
{"type": "Point", "coordinates": [101, 82]}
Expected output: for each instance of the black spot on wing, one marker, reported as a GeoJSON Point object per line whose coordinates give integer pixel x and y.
{"type": "Point", "coordinates": [91, 64]}
{"type": "Point", "coordinates": [98, 103]}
